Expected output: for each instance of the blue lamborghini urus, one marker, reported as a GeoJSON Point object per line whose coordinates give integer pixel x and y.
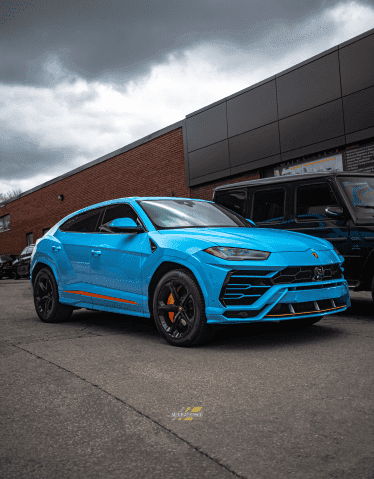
{"type": "Point", "coordinates": [187, 263]}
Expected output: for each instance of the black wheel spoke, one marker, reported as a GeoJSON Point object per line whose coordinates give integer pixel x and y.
{"type": "Point", "coordinates": [188, 320]}
{"type": "Point", "coordinates": [169, 308]}
{"type": "Point", "coordinates": [173, 291]}
{"type": "Point", "coordinates": [186, 299]}
{"type": "Point", "coordinates": [42, 287]}
{"type": "Point", "coordinates": [175, 324]}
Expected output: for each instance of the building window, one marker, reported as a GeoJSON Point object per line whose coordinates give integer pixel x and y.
{"type": "Point", "coordinates": [46, 230]}
{"type": "Point", "coordinates": [29, 239]}
{"type": "Point", "coordinates": [4, 223]}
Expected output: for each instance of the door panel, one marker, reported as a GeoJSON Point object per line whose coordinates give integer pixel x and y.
{"type": "Point", "coordinates": [116, 263]}
{"type": "Point", "coordinates": [309, 203]}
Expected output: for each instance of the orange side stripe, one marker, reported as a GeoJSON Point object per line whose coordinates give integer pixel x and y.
{"type": "Point", "coordinates": [101, 296]}
{"type": "Point", "coordinates": [307, 312]}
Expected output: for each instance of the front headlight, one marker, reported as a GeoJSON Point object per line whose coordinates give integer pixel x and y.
{"type": "Point", "coordinates": [237, 254]}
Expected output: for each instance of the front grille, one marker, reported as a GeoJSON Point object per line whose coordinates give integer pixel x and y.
{"type": "Point", "coordinates": [303, 274]}
{"type": "Point", "coordinates": [243, 288]}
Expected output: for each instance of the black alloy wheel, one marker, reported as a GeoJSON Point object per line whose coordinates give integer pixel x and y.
{"type": "Point", "coordinates": [46, 299]}
{"type": "Point", "coordinates": [179, 309]}
{"type": "Point", "coordinates": [15, 275]}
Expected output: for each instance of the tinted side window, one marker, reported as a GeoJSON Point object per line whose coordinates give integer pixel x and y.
{"type": "Point", "coordinates": [233, 200]}
{"type": "Point", "coordinates": [119, 211]}
{"type": "Point", "coordinates": [312, 200]}
{"type": "Point", "coordinates": [268, 205]}
{"type": "Point", "coordinates": [24, 251]}
{"type": "Point", "coordinates": [83, 223]}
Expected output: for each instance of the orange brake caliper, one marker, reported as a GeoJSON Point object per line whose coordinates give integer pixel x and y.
{"type": "Point", "coordinates": [171, 301]}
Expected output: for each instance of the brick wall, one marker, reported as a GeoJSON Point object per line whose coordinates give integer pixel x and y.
{"type": "Point", "coordinates": [205, 192]}
{"type": "Point", "coordinates": [155, 168]}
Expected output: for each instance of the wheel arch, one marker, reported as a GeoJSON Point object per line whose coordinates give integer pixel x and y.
{"type": "Point", "coordinates": [164, 268]}
{"type": "Point", "coordinates": [39, 266]}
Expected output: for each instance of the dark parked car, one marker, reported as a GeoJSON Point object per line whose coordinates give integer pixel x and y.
{"type": "Point", "coordinates": [336, 206]}
{"type": "Point", "coordinates": [21, 266]}
{"type": "Point", "coordinates": [6, 261]}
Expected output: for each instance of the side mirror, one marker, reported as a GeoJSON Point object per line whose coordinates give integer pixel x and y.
{"type": "Point", "coordinates": [250, 221]}
{"type": "Point", "coordinates": [335, 212]}
{"type": "Point", "coordinates": [125, 225]}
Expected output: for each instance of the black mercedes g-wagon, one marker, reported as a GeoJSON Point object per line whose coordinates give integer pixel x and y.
{"type": "Point", "coordinates": [336, 206]}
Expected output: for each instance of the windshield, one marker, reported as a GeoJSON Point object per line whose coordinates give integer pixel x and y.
{"type": "Point", "coordinates": [360, 192]}
{"type": "Point", "coordinates": [170, 214]}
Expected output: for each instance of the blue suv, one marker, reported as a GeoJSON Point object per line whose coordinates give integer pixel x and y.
{"type": "Point", "coordinates": [187, 263]}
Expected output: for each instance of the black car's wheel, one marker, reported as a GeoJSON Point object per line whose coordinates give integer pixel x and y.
{"type": "Point", "coordinates": [46, 299]}
{"type": "Point", "coordinates": [15, 275]}
{"type": "Point", "coordinates": [179, 309]}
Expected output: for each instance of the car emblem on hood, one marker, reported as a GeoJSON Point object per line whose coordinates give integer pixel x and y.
{"type": "Point", "coordinates": [315, 255]}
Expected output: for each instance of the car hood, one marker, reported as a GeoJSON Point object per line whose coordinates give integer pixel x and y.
{"type": "Point", "coordinates": [263, 239]}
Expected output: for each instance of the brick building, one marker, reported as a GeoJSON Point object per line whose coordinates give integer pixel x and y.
{"type": "Point", "coordinates": [318, 114]}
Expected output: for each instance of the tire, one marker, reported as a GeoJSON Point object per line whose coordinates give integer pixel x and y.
{"type": "Point", "coordinates": [372, 288]}
{"type": "Point", "coordinates": [46, 299]}
{"type": "Point", "coordinates": [179, 310]}
{"type": "Point", "coordinates": [15, 275]}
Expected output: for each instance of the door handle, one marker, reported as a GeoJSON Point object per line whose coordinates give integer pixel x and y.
{"type": "Point", "coordinates": [56, 248]}
{"type": "Point", "coordinates": [95, 252]}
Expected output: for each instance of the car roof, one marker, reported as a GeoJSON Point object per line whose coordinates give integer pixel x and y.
{"type": "Point", "coordinates": [288, 178]}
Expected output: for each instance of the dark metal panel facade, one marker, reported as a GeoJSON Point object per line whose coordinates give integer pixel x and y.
{"type": "Point", "coordinates": [207, 127]}
{"type": "Point", "coordinates": [359, 110]}
{"type": "Point", "coordinates": [311, 85]}
{"type": "Point", "coordinates": [254, 145]}
{"type": "Point", "coordinates": [211, 159]}
{"type": "Point", "coordinates": [255, 108]}
{"type": "Point", "coordinates": [312, 126]}
{"type": "Point", "coordinates": [356, 65]}
{"type": "Point", "coordinates": [298, 112]}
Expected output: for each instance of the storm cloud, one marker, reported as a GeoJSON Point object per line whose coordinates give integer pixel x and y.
{"type": "Point", "coordinates": [78, 80]}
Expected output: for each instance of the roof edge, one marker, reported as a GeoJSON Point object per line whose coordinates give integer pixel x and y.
{"type": "Point", "coordinates": [108, 156]}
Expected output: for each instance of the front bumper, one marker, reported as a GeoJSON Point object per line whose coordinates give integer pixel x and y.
{"type": "Point", "coordinates": [287, 301]}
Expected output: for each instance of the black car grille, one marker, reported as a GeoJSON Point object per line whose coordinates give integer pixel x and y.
{"type": "Point", "coordinates": [243, 288]}
{"type": "Point", "coordinates": [302, 274]}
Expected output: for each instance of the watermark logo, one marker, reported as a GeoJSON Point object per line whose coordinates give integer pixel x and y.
{"type": "Point", "coordinates": [188, 414]}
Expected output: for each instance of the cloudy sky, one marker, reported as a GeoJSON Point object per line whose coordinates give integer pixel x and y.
{"type": "Point", "coordinates": [79, 79]}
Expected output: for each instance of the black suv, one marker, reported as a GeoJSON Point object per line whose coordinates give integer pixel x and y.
{"type": "Point", "coordinates": [6, 261]}
{"type": "Point", "coordinates": [336, 206]}
{"type": "Point", "coordinates": [21, 266]}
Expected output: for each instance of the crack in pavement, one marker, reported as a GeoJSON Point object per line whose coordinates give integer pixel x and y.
{"type": "Point", "coordinates": [137, 411]}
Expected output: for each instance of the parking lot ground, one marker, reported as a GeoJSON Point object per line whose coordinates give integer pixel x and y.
{"type": "Point", "coordinates": [99, 396]}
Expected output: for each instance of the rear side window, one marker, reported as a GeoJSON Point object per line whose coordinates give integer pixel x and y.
{"type": "Point", "coordinates": [312, 200]}
{"type": "Point", "coordinates": [233, 200]}
{"type": "Point", "coordinates": [268, 205]}
{"type": "Point", "coordinates": [83, 223]}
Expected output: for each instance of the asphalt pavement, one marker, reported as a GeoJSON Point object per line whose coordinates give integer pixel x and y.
{"type": "Point", "coordinates": [104, 396]}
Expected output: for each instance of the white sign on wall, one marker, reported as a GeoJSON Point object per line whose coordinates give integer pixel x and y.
{"type": "Point", "coordinates": [332, 163]}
